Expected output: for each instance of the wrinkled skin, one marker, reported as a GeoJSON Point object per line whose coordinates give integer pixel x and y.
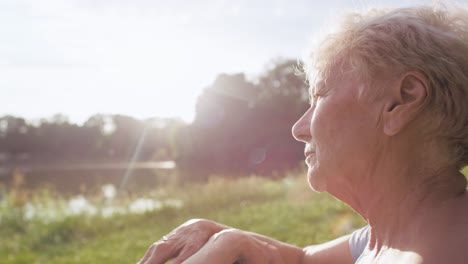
{"type": "Point", "coordinates": [238, 247]}
{"type": "Point", "coordinates": [199, 240]}
{"type": "Point", "coordinates": [182, 242]}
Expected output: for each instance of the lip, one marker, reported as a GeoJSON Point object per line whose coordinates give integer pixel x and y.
{"type": "Point", "coordinates": [308, 159]}
{"type": "Point", "coordinates": [308, 151]}
{"type": "Point", "coordinates": [308, 155]}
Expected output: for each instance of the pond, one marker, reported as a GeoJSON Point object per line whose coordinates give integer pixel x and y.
{"type": "Point", "coordinates": [89, 177]}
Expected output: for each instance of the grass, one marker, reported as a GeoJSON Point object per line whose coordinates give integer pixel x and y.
{"type": "Point", "coordinates": [284, 209]}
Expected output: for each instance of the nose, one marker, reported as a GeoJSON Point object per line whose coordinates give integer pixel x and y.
{"type": "Point", "coordinates": [301, 129]}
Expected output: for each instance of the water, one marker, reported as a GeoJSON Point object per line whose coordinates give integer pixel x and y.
{"type": "Point", "coordinates": [56, 210]}
{"type": "Point", "coordinates": [73, 179]}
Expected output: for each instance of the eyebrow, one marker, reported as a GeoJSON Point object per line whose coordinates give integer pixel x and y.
{"type": "Point", "coordinates": [318, 89]}
{"type": "Point", "coordinates": [313, 89]}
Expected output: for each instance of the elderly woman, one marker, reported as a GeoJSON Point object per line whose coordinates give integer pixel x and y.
{"type": "Point", "coordinates": [386, 133]}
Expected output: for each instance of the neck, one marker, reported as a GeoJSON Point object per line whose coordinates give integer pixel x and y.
{"type": "Point", "coordinates": [399, 209]}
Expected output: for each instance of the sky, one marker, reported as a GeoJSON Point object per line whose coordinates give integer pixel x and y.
{"type": "Point", "coordinates": [146, 58]}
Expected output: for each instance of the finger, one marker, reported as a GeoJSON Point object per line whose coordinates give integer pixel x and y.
{"type": "Point", "coordinates": [147, 254]}
{"type": "Point", "coordinates": [160, 252]}
{"type": "Point", "coordinates": [186, 252]}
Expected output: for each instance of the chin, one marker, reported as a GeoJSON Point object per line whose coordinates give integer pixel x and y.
{"type": "Point", "coordinates": [317, 184]}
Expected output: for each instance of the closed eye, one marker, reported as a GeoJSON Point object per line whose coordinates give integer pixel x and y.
{"type": "Point", "coordinates": [313, 99]}
{"type": "Point", "coordinates": [314, 96]}
{"type": "Point", "coordinates": [316, 91]}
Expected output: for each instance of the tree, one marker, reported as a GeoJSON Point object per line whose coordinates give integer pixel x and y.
{"type": "Point", "coordinates": [244, 127]}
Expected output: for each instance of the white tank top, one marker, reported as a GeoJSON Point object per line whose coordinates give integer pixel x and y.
{"type": "Point", "coordinates": [358, 241]}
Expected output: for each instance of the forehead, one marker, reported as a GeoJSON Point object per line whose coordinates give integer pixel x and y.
{"type": "Point", "coordinates": [338, 81]}
{"type": "Point", "coordinates": [316, 85]}
{"type": "Point", "coordinates": [323, 82]}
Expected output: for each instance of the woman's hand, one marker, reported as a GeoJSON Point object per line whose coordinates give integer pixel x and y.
{"type": "Point", "coordinates": [182, 242]}
{"type": "Point", "coordinates": [235, 246]}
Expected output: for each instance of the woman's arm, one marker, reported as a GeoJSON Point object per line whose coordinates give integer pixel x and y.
{"type": "Point", "coordinates": [335, 251]}
{"type": "Point", "coordinates": [199, 241]}
{"type": "Point", "coordinates": [237, 246]}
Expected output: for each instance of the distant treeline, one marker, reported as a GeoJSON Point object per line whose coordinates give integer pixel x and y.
{"type": "Point", "coordinates": [240, 127]}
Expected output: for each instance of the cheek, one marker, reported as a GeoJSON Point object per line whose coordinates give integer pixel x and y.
{"type": "Point", "coordinates": [339, 136]}
{"type": "Point", "coordinates": [329, 127]}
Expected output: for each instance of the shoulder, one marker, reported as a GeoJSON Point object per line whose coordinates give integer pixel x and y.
{"type": "Point", "coordinates": [358, 241]}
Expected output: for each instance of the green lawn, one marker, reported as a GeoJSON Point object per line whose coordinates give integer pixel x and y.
{"type": "Point", "coordinates": [284, 209]}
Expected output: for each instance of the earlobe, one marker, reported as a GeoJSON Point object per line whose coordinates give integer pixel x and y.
{"type": "Point", "coordinates": [391, 124]}
{"type": "Point", "coordinates": [405, 100]}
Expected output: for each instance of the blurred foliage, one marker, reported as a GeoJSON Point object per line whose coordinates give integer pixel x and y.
{"type": "Point", "coordinates": [244, 126]}
{"type": "Point", "coordinates": [241, 127]}
{"type": "Point", "coordinates": [102, 138]}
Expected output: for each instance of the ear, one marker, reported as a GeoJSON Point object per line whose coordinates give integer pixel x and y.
{"type": "Point", "coordinates": [407, 96]}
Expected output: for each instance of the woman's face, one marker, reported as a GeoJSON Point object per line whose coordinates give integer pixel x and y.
{"type": "Point", "coordinates": [341, 134]}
